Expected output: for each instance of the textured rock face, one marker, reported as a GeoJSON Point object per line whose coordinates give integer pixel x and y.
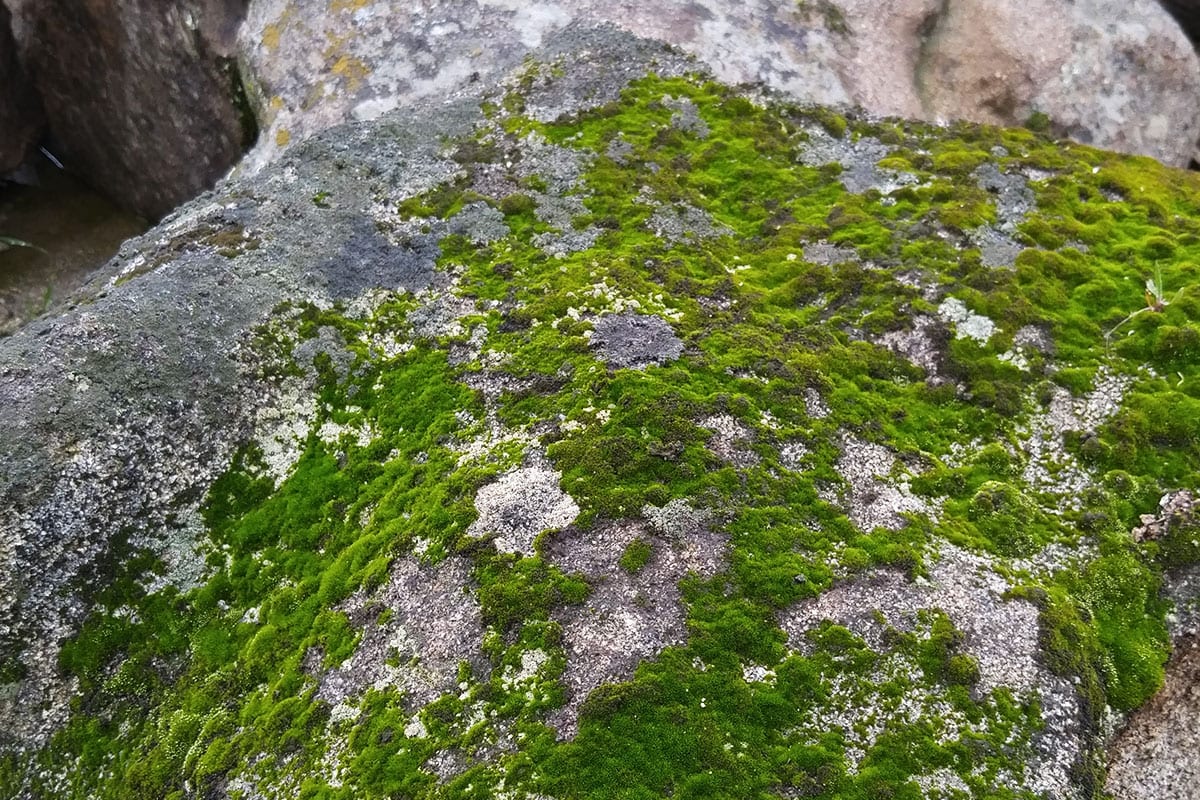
{"type": "Point", "coordinates": [1116, 74]}
{"type": "Point", "coordinates": [20, 116]}
{"type": "Point", "coordinates": [612, 433]}
{"type": "Point", "coordinates": [139, 95]}
{"type": "Point", "coordinates": [1157, 755]}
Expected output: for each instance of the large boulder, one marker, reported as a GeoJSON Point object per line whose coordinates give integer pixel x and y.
{"type": "Point", "coordinates": [610, 433]}
{"type": "Point", "coordinates": [1113, 73]}
{"type": "Point", "coordinates": [141, 97]}
{"type": "Point", "coordinates": [20, 115]}
{"type": "Point", "coordinates": [1117, 74]}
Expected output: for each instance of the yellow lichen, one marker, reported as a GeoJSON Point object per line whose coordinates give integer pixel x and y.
{"type": "Point", "coordinates": [270, 37]}
{"type": "Point", "coordinates": [353, 70]}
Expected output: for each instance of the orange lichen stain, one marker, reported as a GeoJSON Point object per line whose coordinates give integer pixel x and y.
{"type": "Point", "coordinates": [276, 103]}
{"type": "Point", "coordinates": [282, 137]}
{"type": "Point", "coordinates": [347, 5]}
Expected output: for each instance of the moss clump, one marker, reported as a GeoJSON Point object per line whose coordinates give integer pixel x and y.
{"type": "Point", "coordinates": [636, 556]}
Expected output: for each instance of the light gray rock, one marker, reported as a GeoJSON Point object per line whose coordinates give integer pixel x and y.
{"type": "Point", "coordinates": [1113, 74]}
{"type": "Point", "coordinates": [112, 425]}
{"type": "Point", "coordinates": [1119, 75]}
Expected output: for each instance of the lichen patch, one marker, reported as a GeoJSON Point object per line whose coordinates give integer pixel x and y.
{"type": "Point", "coordinates": [521, 505]}
{"type": "Point", "coordinates": [967, 324]}
{"type": "Point", "coordinates": [282, 426]}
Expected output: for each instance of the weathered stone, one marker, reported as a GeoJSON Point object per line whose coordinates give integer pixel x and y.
{"type": "Point", "coordinates": [20, 114]}
{"type": "Point", "coordinates": [350, 478]}
{"type": "Point", "coordinates": [141, 97]}
{"type": "Point", "coordinates": [1114, 74]}
{"type": "Point", "coordinates": [1156, 756]}
{"type": "Point", "coordinates": [1187, 14]}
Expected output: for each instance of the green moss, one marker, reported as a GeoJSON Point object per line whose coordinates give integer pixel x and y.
{"type": "Point", "coordinates": [184, 692]}
{"type": "Point", "coordinates": [636, 556]}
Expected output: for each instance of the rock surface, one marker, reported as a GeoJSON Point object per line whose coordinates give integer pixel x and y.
{"type": "Point", "coordinates": [139, 95]}
{"type": "Point", "coordinates": [1112, 73]}
{"type": "Point", "coordinates": [1156, 756]}
{"type": "Point", "coordinates": [20, 114]}
{"type": "Point", "coordinates": [1116, 74]}
{"type": "Point", "coordinates": [610, 433]}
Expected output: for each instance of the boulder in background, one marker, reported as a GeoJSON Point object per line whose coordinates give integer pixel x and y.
{"type": "Point", "coordinates": [20, 117]}
{"type": "Point", "coordinates": [1116, 75]}
{"type": "Point", "coordinates": [140, 96]}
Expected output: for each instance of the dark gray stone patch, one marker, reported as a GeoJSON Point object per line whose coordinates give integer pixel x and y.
{"type": "Point", "coordinates": [686, 117]}
{"type": "Point", "coordinates": [1014, 198]}
{"type": "Point", "coordinates": [859, 159]}
{"type": "Point", "coordinates": [996, 249]}
{"type": "Point", "coordinates": [367, 260]}
{"type": "Point", "coordinates": [635, 341]}
{"type": "Point", "coordinates": [684, 223]}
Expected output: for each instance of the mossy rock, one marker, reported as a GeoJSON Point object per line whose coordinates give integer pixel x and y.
{"type": "Point", "coordinates": [680, 442]}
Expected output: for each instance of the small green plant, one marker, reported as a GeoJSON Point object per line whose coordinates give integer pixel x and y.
{"type": "Point", "coordinates": [1038, 122]}
{"type": "Point", "coordinates": [1156, 302]}
{"type": "Point", "coordinates": [636, 556]}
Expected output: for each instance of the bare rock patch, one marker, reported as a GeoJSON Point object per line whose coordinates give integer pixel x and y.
{"type": "Point", "coordinates": [519, 506]}
{"type": "Point", "coordinates": [629, 617]}
{"type": "Point", "coordinates": [435, 624]}
{"type": "Point", "coordinates": [635, 341]}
